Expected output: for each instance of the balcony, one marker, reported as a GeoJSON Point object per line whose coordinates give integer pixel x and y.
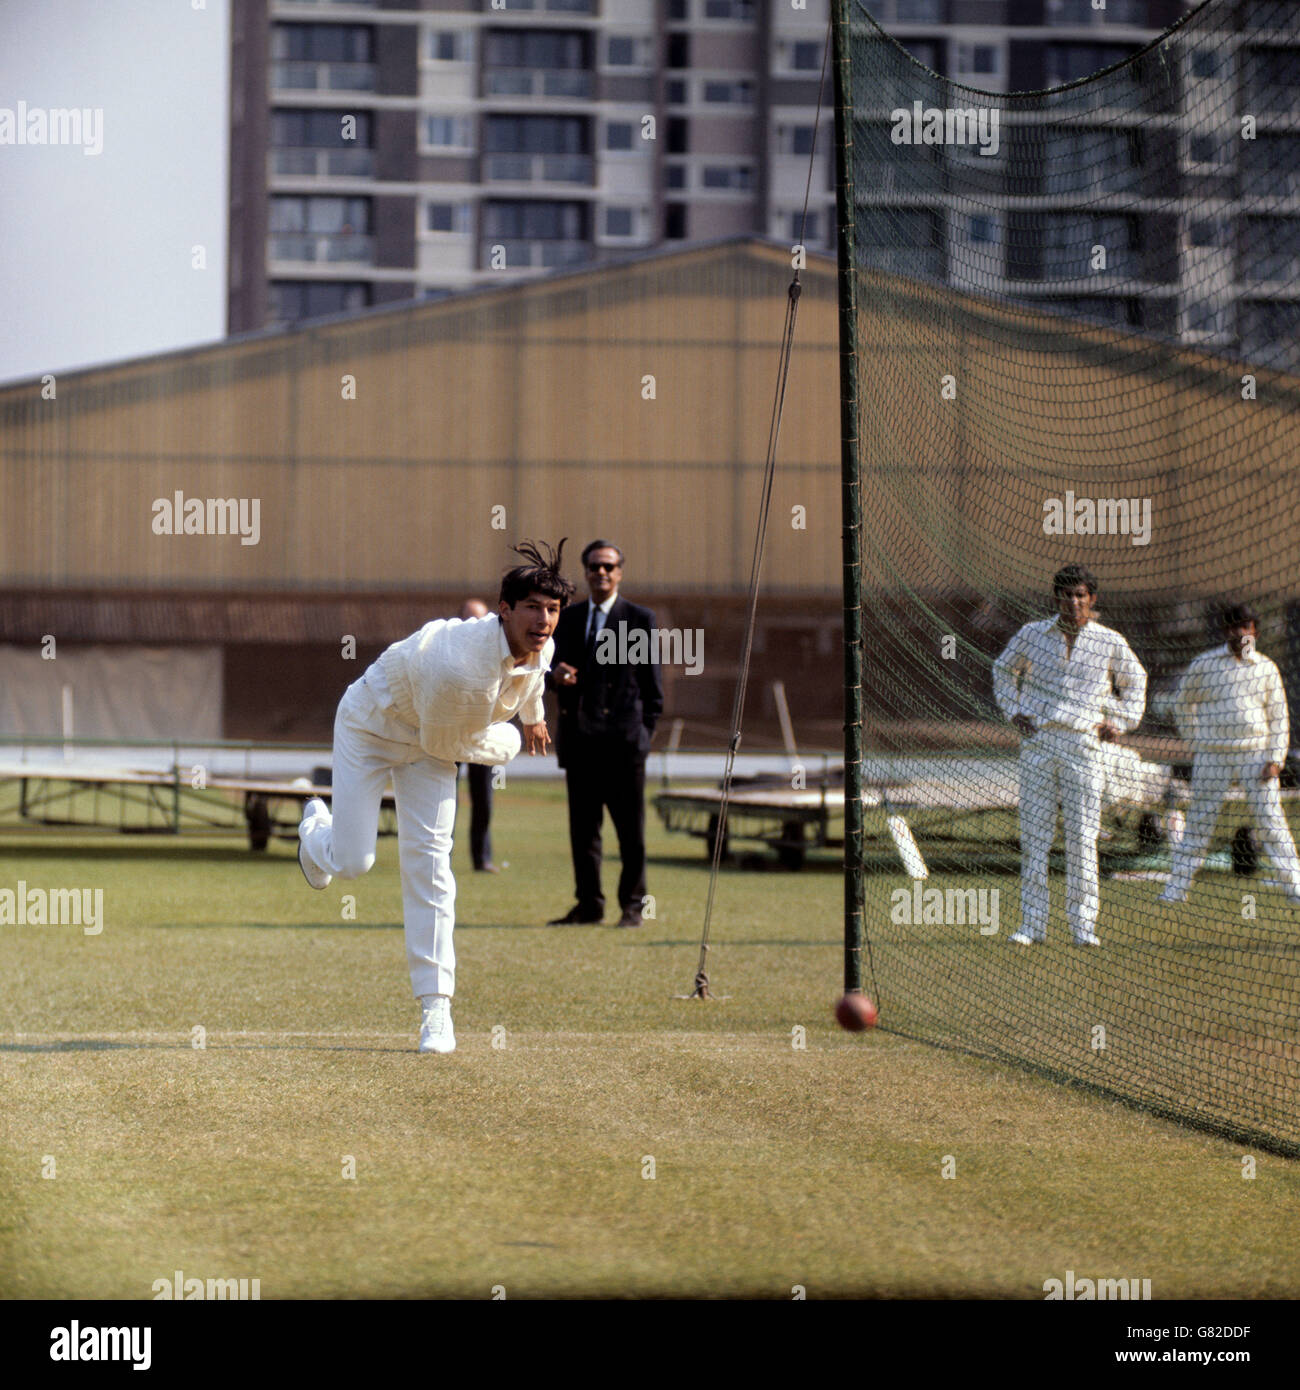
{"type": "Point", "coordinates": [323, 164]}
{"type": "Point", "coordinates": [535, 255]}
{"type": "Point", "coordinates": [308, 248]}
{"type": "Point", "coordinates": [538, 168]}
{"type": "Point", "coordinates": [566, 83]}
{"type": "Point", "coordinates": [918, 262]}
{"type": "Point", "coordinates": [1080, 13]}
{"type": "Point", "coordinates": [555, 6]}
{"type": "Point", "coordinates": [322, 77]}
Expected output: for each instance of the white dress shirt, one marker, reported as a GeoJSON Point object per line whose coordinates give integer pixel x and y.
{"type": "Point", "coordinates": [603, 610]}
{"type": "Point", "coordinates": [1100, 679]}
{"type": "Point", "coordinates": [1225, 704]}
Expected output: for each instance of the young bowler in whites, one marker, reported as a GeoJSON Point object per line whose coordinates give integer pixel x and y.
{"type": "Point", "coordinates": [1231, 707]}
{"type": "Point", "coordinates": [444, 695]}
{"type": "Point", "coordinates": [1068, 684]}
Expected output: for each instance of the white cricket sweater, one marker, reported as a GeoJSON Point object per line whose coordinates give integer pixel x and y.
{"type": "Point", "coordinates": [1100, 679]}
{"type": "Point", "coordinates": [1226, 705]}
{"type": "Point", "coordinates": [453, 680]}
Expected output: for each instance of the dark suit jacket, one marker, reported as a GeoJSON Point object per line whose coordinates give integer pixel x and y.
{"type": "Point", "coordinates": [611, 702]}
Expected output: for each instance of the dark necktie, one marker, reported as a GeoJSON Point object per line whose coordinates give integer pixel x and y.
{"type": "Point", "coordinates": [593, 630]}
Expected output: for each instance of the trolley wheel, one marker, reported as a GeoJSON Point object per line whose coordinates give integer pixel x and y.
{"type": "Point", "coordinates": [258, 814]}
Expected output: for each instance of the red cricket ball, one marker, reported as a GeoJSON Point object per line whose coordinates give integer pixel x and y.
{"type": "Point", "coordinates": [856, 1013]}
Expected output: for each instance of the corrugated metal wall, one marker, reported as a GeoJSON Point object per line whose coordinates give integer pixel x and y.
{"type": "Point", "coordinates": [531, 400]}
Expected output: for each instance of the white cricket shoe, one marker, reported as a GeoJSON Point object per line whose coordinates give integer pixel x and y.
{"type": "Point", "coordinates": [315, 876]}
{"type": "Point", "coordinates": [1172, 895]}
{"type": "Point", "coordinates": [1024, 938]}
{"type": "Point", "coordinates": [436, 1033]}
{"type": "Point", "coordinates": [1086, 938]}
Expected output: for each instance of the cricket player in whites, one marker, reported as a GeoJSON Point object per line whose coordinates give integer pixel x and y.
{"type": "Point", "coordinates": [1231, 707]}
{"type": "Point", "coordinates": [444, 695]}
{"type": "Point", "coordinates": [1069, 685]}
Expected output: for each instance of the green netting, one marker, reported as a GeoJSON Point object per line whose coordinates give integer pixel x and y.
{"type": "Point", "coordinates": [1079, 347]}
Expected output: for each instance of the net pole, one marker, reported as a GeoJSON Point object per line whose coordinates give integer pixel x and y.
{"type": "Point", "coordinates": [850, 501]}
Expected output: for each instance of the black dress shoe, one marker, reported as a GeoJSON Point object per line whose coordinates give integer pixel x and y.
{"type": "Point", "coordinates": [631, 917]}
{"type": "Point", "coordinates": [577, 917]}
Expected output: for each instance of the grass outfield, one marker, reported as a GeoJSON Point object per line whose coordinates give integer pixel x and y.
{"type": "Point", "coordinates": [522, 1165]}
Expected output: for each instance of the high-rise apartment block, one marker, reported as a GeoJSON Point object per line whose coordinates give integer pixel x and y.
{"type": "Point", "coordinates": [392, 149]}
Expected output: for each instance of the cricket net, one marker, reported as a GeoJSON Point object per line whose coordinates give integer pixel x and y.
{"type": "Point", "coordinates": [1076, 340]}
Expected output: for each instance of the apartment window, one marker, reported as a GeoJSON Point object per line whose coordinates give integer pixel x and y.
{"type": "Point", "coordinates": [808, 230]}
{"type": "Point", "coordinates": [679, 51]}
{"type": "Point", "coordinates": [291, 300]}
{"type": "Point", "coordinates": [621, 53]}
{"type": "Point", "coordinates": [676, 93]}
{"type": "Point", "coordinates": [449, 217]}
{"type": "Point", "coordinates": [619, 222]}
{"type": "Point", "coordinates": [447, 132]}
{"type": "Point", "coordinates": [1205, 318]}
{"type": "Point", "coordinates": [924, 51]}
{"type": "Point", "coordinates": [1070, 62]}
{"type": "Point", "coordinates": [740, 10]}
{"type": "Point", "coordinates": [918, 11]}
{"type": "Point", "coordinates": [523, 48]}
{"type": "Point", "coordinates": [675, 221]}
{"type": "Point", "coordinates": [319, 129]}
{"type": "Point", "coordinates": [977, 58]}
{"type": "Point", "coordinates": [674, 176]}
{"type": "Point", "coordinates": [795, 139]}
{"type": "Point", "coordinates": [618, 135]}
{"type": "Point", "coordinates": [535, 221]}
{"type": "Point", "coordinates": [982, 231]}
{"type": "Point", "coordinates": [322, 43]}
{"type": "Point", "coordinates": [450, 46]}
{"type": "Point", "coordinates": [1205, 149]}
{"type": "Point", "coordinates": [739, 177]}
{"type": "Point", "coordinates": [806, 57]}
{"type": "Point", "coordinates": [678, 140]}
{"type": "Point", "coordinates": [320, 216]}
{"type": "Point", "coordinates": [1205, 231]}
{"type": "Point", "coordinates": [535, 135]}
{"type": "Point", "coordinates": [1205, 62]}
{"type": "Point", "coordinates": [729, 93]}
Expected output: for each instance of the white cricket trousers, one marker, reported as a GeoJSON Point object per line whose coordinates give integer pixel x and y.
{"type": "Point", "coordinates": [1065, 769]}
{"type": "Point", "coordinates": [369, 746]}
{"type": "Point", "coordinates": [1212, 777]}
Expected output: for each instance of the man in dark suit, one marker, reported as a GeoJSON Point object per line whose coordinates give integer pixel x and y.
{"type": "Point", "coordinates": [608, 710]}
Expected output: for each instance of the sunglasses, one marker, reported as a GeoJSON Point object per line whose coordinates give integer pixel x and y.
{"type": "Point", "coordinates": [604, 566]}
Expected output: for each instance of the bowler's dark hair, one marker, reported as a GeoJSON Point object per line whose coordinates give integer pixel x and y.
{"type": "Point", "coordinates": [541, 575]}
{"type": "Point", "coordinates": [1239, 614]}
{"type": "Point", "coordinates": [602, 545]}
{"type": "Point", "coordinates": [1070, 575]}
